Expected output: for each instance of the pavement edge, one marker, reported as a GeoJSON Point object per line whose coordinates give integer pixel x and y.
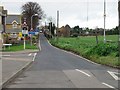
{"type": "Point", "coordinates": [4, 84]}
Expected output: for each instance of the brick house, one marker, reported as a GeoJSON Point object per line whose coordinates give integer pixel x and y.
{"type": "Point", "coordinates": [13, 23]}
{"type": "Point", "coordinates": [3, 14]}
{"type": "Point", "coordinates": [64, 31]}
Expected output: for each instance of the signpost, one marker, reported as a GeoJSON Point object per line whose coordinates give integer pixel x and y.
{"type": "Point", "coordinates": [24, 31]}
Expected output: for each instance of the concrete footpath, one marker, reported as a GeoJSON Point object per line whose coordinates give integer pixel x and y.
{"type": "Point", "coordinates": [14, 63]}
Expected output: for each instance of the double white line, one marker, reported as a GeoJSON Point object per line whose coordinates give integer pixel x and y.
{"type": "Point", "coordinates": [34, 57]}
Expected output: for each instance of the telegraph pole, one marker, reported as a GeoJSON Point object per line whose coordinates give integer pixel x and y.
{"type": "Point", "coordinates": [119, 14]}
{"type": "Point", "coordinates": [57, 24]}
{"type": "Point", "coordinates": [119, 27]}
{"type": "Point", "coordinates": [104, 20]}
{"type": "Point", "coordinates": [87, 12]}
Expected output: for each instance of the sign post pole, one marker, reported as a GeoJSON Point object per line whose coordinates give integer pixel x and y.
{"type": "Point", "coordinates": [24, 42]}
{"type": "Point", "coordinates": [31, 38]}
{"type": "Point", "coordinates": [24, 31]}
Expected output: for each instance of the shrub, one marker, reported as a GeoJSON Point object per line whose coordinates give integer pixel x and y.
{"type": "Point", "coordinates": [75, 35]}
{"type": "Point", "coordinates": [103, 49]}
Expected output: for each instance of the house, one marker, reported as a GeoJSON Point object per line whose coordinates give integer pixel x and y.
{"type": "Point", "coordinates": [64, 31]}
{"type": "Point", "coordinates": [3, 14]}
{"type": "Point", "coordinates": [1, 26]}
{"type": "Point", "coordinates": [13, 23]}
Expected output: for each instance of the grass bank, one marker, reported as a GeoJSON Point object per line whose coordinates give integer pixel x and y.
{"type": "Point", "coordinates": [106, 54]}
{"type": "Point", "coordinates": [20, 47]}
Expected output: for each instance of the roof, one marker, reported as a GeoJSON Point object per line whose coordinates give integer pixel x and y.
{"type": "Point", "coordinates": [11, 18]}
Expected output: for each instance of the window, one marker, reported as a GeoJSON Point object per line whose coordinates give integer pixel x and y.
{"type": "Point", "coordinates": [14, 25]}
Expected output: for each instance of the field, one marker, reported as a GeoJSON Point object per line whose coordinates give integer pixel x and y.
{"type": "Point", "coordinates": [87, 47]}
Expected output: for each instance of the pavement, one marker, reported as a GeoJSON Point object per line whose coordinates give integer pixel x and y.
{"type": "Point", "coordinates": [56, 68]}
{"type": "Point", "coordinates": [14, 63]}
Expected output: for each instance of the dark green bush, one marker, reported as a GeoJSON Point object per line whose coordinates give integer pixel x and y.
{"type": "Point", "coordinates": [103, 49]}
{"type": "Point", "coordinates": [75, 35]}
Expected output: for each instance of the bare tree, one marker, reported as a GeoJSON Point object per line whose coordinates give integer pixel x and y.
{"type": "Point", "coordinates": [29, 9]}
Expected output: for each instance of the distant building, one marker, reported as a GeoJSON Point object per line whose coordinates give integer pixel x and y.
{"type": "Point", "coordinates": [13, 23]}
{"type": "Point", "coordinates": [65, 31]}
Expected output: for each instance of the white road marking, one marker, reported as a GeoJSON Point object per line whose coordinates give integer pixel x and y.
{"type": "Point", "coordinates": [113, 75]}
{"type": "Point", "coordinates": [83, 72]}
{"type": "Point", "coordinates": [74, 54]}
{"type": "Point", "coordinates": [108, 85]}
{"type": "Point", "coordinates": [39, 44]}
{"type": "Point", "coordinates": [30, 54]}
{"type": "Point", "coordinates": [6, 55]}
{"type": "Point", "coordinates": [34, 57]}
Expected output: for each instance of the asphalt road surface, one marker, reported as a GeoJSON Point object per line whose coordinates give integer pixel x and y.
{"type": "Point", "coordinates": [54, 68]}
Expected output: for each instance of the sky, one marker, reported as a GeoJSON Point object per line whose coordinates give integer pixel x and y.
{"type": "Point", "coordinates": [73, 12]}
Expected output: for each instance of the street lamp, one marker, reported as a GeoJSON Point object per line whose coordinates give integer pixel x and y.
{"type": "Point", "coordinates": [32, 20]}
{"type": "Point", "coordinates": [32, 25]}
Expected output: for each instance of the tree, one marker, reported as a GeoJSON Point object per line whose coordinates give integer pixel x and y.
{"type": "Point", "coordinates": [29, 9]}
{"type": "Point", "coordinates": [52, 27]}
{"type": "Point", "coordinates": [76, 29]}
{"type": "Point", "coordinates": [53, 30]}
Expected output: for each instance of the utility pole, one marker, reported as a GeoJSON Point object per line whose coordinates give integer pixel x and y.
{"type": "Point", "coordinates": [119, 16]}
{"type": "Point", "coordinates": [104, 20]}
{"type": "Point", "coordinates": [87, 12]}
{"type": "Point", "coordinates": [57, 24]}
{"type": "Point", "coordinates": [119, 27]}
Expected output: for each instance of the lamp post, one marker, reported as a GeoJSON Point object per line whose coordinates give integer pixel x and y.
{"type": "Point", "coordinates": [32, 25]}
{"type": "Point", "coordinates": [32, 20]}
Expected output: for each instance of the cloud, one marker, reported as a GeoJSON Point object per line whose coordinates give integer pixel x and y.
{"type": "Point", "coordinates": [60, 1]}
{"type": "Point", "coordinates": [73, 12]}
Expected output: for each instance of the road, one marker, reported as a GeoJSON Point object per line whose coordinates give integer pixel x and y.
{"type": "Point", "coordinates": [54, 68]}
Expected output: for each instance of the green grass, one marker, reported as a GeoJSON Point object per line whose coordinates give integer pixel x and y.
{"type": "Point", "coordinates": [84, 44]}
{"type": "Point", "coordinates": [20, 47]}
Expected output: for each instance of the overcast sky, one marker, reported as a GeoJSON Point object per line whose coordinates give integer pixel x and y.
{"type": "Point", "coordinates": [73, 12]}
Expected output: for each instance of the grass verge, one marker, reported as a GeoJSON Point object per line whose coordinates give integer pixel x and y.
{"type": "Point", "coordinates": [19, 48]}
{"type": "Point", "coordinates": [106, 54]}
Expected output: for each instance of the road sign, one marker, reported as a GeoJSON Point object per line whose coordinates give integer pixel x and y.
{"type": "Point", "coordinates": [20, 34]}
{"type": "Point", "coordinates": [32, 33]}
{"type": "Point", "coordinates": [24, 31]}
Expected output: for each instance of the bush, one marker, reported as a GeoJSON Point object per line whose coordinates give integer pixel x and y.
{"type": "Point", "coordinates": [103, 49]}
{"type": "Point", "coordinates": [75, 35]}
{"type": "Point", "coordinates": [34, 39]}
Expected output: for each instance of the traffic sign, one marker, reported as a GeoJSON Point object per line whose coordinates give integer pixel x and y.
{"type": "Point", "coordinates": [24, 31]}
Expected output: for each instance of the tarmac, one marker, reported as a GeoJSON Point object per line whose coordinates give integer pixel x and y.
{"type": "Point", "coordinates": [14, 63]}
